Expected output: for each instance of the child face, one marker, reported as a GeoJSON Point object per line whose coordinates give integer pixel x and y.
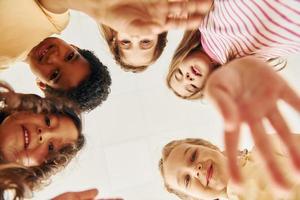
{"type": "Point", "coordinates": [137, 50]}
{"type": "Point", "coordinates": [28, 138]}
{"type": "Point", "coordinates": [58, 64]}
{"type": "Point", "coordinates": [190, 76]}
{"type": "Point", "coordinates": [196, 171]}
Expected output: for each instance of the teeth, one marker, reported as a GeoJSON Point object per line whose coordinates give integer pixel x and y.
{"type": "Point", "coordinates": [26, 136]}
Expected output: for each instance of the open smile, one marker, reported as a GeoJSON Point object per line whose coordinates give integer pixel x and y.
{"type": "Point", "coordinates": [196, 71]}
{"type": "Point", "coordinates": [209, 174]}
{"type": "Point", "coordinates": [26, 137]}
{"type": "Point", "coordinates": [42, 51]}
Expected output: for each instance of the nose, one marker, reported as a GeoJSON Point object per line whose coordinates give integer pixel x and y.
{"type": "Point", "coordinates": [53, 57]}
{"type": "Point", "coordinates": [198, 169]}
{"type": "Point", "coordinates": [44, 134]}
{"type": "Point", "coordinates": [189, 77]}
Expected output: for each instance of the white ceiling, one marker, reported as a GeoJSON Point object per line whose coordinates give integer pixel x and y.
{"type": "Point", "coordinates": [125, 135]}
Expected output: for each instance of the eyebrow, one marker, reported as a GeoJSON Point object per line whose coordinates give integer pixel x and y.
{"type": "Point", "coordinates": [185, 152]}
{"type": "Point", "coordinates": [178, 179]}
{"type": "Point", "coordinates": [175, 74]}
{"type": "Point", "coordinates": [57, 79]}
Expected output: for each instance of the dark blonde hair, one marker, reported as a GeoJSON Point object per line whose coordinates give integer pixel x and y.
{"type": "Point", "coordinates": [168, 148]}
{"type": "Point", "coordinates": [19, 179]}
{"type": "Point", "coordinates": [110, 36]}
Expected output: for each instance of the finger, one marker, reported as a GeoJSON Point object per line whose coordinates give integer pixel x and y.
{"type": "Point", "coordinates": [87, 194]}
{"type": "Point", "coordinates": [264, 147]}
{"type": "Point", "coordinates": [230, 114]}
{"type": "Point", "coordinates": [231, 146]}
{"type": "Point", "coordinates": [285, 135]}
{"type": "Point", "coordinates": [291, 97]}
{"type": "Point", "coordinates": [192, 7]}
{"type": "Point", "coordinates": [111, 199]}
{"type": "Point", "coordinates": [5, 87]}
{"type": "Point", "coordinates": [226, 105]}
{"type": "Point", "coordinates": [191, 22]}
{"type": "Point", "coordinates": [144, 27]}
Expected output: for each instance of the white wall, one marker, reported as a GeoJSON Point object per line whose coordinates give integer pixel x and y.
{"type": "Point", "coordinates": [125, 135]}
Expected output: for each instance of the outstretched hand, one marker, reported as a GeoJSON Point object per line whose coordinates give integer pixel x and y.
{"type": "Point", "coordinates": [139, 17]}
{"type": "Point", "coordinates": [82, 195]}
{"type": "Point", "coordinates": [247, 91]}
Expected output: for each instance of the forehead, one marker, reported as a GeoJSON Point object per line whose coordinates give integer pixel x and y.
{"type": "Point", "coordinates": [175, 163]}
{"type": "Point", "coordinates": [73, 74]}
{"type": "Point", "coordinates": [136, 56]}
{"type": "Point", "coordinates": [68, 127]}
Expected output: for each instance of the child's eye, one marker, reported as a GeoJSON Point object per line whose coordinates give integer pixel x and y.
{"type": "Point", "coordinates": [47, 121]}
{"type": "Point", "coordinates": [70, 56]}
{"type": "Point", "coordinates": [145, 41]}
{"type": "Point", "coordinates": [54, 75]}
{"type": "Point", "coordinates": [50, 147]}
{"type": "Point", "coordinates": [187, 180]}
{"type": "Point", "coordinates": [194, 156]}
{"type": "Point", "coordinates": [125, 42]}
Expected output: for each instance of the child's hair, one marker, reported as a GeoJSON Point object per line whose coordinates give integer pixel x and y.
{"type": "Point", "coordinates": [19, 180]}
{"type": "Point", "coordinates": [110, 36]}
{"type": "Point", "coordinates": [168, 148]}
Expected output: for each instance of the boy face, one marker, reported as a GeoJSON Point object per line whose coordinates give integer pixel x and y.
{"type": "Point", "coordinates": [58, 64]}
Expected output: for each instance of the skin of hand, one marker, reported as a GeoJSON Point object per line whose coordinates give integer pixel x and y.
{"type": "Point", "coordinates": [17, 101]}
{"type": "Point", "coordinates": [152, 17]}
{"type": "Point", "coordinates": [82, 195]}
{"type": "Point", "coordinates": [137, 17]}
{"type": "Point", "coordinates": [247, 91]}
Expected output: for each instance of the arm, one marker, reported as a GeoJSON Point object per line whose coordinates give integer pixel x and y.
{"type": "Point", "coordinates": [136, 16]}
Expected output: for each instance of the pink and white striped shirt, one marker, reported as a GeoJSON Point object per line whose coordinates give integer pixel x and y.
{"type": "Point", "coordinates": [265, 28]}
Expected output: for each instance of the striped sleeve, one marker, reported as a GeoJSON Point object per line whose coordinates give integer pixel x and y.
{"type": "Point", "coordinates": [267, 29]}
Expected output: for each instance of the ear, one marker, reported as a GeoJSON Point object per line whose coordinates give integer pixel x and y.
{"type": "Point", "coordinates": [40, 84]}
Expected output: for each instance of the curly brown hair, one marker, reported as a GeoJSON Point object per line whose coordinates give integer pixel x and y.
{"type": "Point", "coordinates": [20, 181]}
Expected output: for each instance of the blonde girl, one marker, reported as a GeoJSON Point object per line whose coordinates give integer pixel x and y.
{"type": "Point", "coordinates": [195, 169]}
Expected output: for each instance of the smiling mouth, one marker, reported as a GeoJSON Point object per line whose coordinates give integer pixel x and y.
{"type": "Point", "coordinates": [26, 137]}
{"type": "Point", "coordinates": [42, 51]}
{"type": "Point", "coordinates": [195, 71]}
{"type": "Point", "coordinates": [209, 174]}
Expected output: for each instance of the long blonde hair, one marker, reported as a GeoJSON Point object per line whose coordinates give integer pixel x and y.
{"type": "Point", "coordinates": [110, 36]}
{"type": "Point", "coordinates": [168, 148]}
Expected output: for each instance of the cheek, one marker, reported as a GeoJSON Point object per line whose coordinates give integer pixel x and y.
{"type": "Point", "coordinates": [199, 82]}
{"type": "Point", "coordinates": [35, 156]}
